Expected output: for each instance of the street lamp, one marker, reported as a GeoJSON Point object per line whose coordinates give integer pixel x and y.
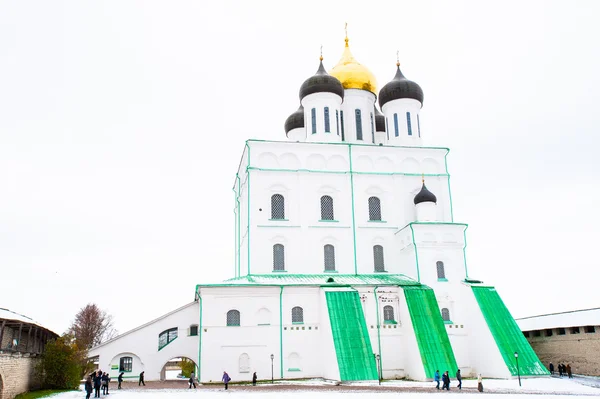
{"type": "Point", "coordinates": [272, 357]}
{"type": "Point", "coordinates": [518, 372]}
{"type": "Point", "coordinates": [378, 368]}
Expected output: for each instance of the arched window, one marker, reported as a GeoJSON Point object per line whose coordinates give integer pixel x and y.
{"type": "Point", "coordinates": [278, 257]}
{"type": "Point", "coordinates": [327, 123]}
{"type": "Point", "coordinates": [388, 313]}
{"type": "Point", "coordinates": [193, 330]}
{"type": "Point", "coordinates": [396, 132]}
{"type": "Point", "coordinates": [277, 207]}
{"type": "Point", "coordinates": [233, 318]}
{"type": "Point", "coordinates": [313, 115]}
{"type": "Point", "coordinates": [293, 362]}
{"type": "Point", "coordinates": [125, 364]}
{"type": "Point", "coordinates": [337, 122]}
{"type": "Point", "coordinates": [166, 337]}
{"type": "Point", "coordinates": [408, 124]}
{"type": "Point", "coordinates": [297, 314]}
{"type": "Point", "coordinates": [326, 208]}
{"type": "Point", "coordinates": [418, 125]}
{"type": "Point", "coordinates": [263, 317]}
{"type": "Point", "coordinates": [359, 135]}
{"type": "Point", "coordinates": [342, 123]}
{"type": "Point", "coordinates": [445, 314]}
{"type": "Point", "coordinates": [244, 363]}
{"type": "Point", "coordinates": [440, 269]}
{"type": "Point", "coordinates": [374, 208]}
{"type": "Point", "coordinates": [387, 129]}
{"type": "Point", "coordinates": [372, 130]}
{"type": "Point", "coordinates": [329, 257]}
{"type": "Point", "coordinates": [378, 258]}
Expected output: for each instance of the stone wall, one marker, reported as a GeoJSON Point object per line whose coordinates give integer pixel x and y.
{"type": "Point", "coordinates": [580, 350]}
{"type": "Point", "coordinates": [17, 374]}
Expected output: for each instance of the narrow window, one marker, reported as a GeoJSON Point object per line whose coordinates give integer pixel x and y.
{"type": "Point", "coordinates": [329, 257]}
{"type": "Point", "coordinates": [537, 333]}
{"type": "Point", "coordinates": [342, 123]}
{"type": "Point", "coordinates": [445, 314]}
{"type": "Point", "coordinates": [574, 330]}
{"type": "Point", "coordinates": [193, 330]}
{"type": "Point", "coordinates": [441, 273]}
{"type": "Point", "coordinates": [374, 208]}
{"type": "Point", "coordinates": [233, 318]}
{"type": "Point", "coordinates": [297, 314]}
{"type": "Point", "coordinates": [326, 208]}
{"type": "Point", "coordinates": [418, 125]}
{"type": "Point", "coordinates": [337, 122]}
{"type": "Point", "coordinates": [378, 258]}
{"type": "Point", "coordinates": [277, 207]}
{"type": "Point", "coordinates": [388, 313]}
{"type": "Point", "coordinates": [396, 132]}
{"type": "Point", "coordinates": [278, 257]}
{"type": "Point", "coordinates": [166, 337]}
{"type": "Point", "coordinates": [313, 115]}
{"type": "Point", "coordinates": [590, 329]}
{"type": "Point", "coordinates": [126, 364]}
{"type": "Point", "coordinates": [372, 130]}
{"type": "Point", "coordinates": [387, 129]}
{"type": "Point", "coordinates": [408, 124]}
{"type": "Point", "coordinates": [358, 115]}
{"type": "Point", "coordinates": [327, 125]}
{"type": "Point", "coordinates": [562, 331]}
{"type": "Point", "coordinates": [549, 332]}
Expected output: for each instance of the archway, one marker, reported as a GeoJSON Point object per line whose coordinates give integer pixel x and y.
{"type": "Point", "coordinates": [178, 368]}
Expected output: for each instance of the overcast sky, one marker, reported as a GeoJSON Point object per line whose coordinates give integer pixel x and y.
{"type": "Point", "coordinates": [118, 151]}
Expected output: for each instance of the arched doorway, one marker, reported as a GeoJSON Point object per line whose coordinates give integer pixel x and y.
{"type": "Point", "coordinates": [178, 368]}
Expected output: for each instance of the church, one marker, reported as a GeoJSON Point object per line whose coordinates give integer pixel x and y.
{"type": "Point", "coordinates": [349, 264]}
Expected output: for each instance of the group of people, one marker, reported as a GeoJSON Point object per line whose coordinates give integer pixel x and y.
{"type": "Point", "coordinates": [96, 381]}
{"type": "Point", "coordinates": [562, 370]}
{"type": "Point", "coordinates": [445, 379]}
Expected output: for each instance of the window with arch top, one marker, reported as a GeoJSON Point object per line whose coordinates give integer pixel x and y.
{"type": "Point", "coordinates": [388, 314]}
{"type": "Point", "coordinates": [277, 207]}
{"type": "Point", "coordinates": [326, 208]}
{"type": "Point", "coordinates": [441, 273]}
{"type": "Point", "coordinates": [278, 257]}
{"type": "Point", "coordinates": [378, 258]}
{"type": "Point", "coordinates": [233, 318]}
{"type": "Point", "coordinates": [329, 257]}
{"type": "Point", "coordinates": [358, 117]}
{"type": "Point", "coordinates": [297, 314]}
{"type": "Point", "coordinates": [445, 314]}
{"type": "Point", "coordinates": [327, 121]}
{"type": "Point", "coordinates": [166, 337]}
{"type": "Point", "coordinates": [374, 209]}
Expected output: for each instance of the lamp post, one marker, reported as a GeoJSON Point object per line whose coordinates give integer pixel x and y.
{"type": "Point", "coordinates": [378, 368]}
{"type": "Point", "coordinates": [272, 357]}
{"type": "Point", "coordinates": [518, 372]}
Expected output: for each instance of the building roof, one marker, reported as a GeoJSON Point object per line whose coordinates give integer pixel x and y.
{"type": "Point", "coordinates": [316, 280]}
{"type": "Point", "coordinates": [17, 318]}
{"type": "Point", "coordinates": [574, 318]}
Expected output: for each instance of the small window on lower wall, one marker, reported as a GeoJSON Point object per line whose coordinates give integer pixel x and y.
{"type": "Point", "coordinates": [126, 364]}
{"type": "Point", "coordinates": [574, 330]}
{"type": "Point", "coordinates": [561, 331]}
{"type": "Point", "coordinates": [193, 330]}
{"type": "Point", "coordinates": [537, 333]}
{"type": "Point", "coordinates": [548, 332]}
{"type": "Point", "coordinates": [590, 329]}
{"type": "Point", "coordinates": [526, 334]}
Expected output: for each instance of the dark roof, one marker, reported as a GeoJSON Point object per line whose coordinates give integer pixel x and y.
{"type": "Point", "coordinates": [425, 196]}
{"type": "Point", "coordinates": [400, 87]}
{"type": "Point", "coordinates": [321, 82]}
{"type": "Point", "coordinates": [295, 120]}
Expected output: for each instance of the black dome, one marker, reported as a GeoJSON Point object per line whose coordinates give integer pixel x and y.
{"type": "Point", "coordinates": [321, 82]}
{"type": "Point", "coordinates": [425, 196]}
{"type": "Point", "coordinates": [295, 120]}
{"type": "Point", "coordinates": [400, 87]}
{"type": "Point", "coordinates": [379, 121]}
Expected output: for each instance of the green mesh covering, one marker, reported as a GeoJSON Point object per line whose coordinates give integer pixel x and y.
{"type": "Point", "coordinates": [507, 334]}
{"type": "Point", "coordinates": [432, 339]}
{"type": "Point", "coordinates": [350, 336]}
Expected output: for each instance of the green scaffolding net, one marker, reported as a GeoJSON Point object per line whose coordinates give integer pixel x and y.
{"type": "Point", "coordinates": [350, 336]}
{"type": "Point", "coordinates": [430, 331]}
{"type": "Point", "coordinates": [507, 334]}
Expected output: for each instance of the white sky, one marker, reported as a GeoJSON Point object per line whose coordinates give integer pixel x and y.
{"type": "Point", "coordinates": [122, 124]}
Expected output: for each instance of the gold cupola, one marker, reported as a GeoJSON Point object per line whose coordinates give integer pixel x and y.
{"type": "Point", "coordinates": [352, 74]}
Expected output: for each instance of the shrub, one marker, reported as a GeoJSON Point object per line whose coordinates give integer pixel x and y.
{"type": "Point", "coordinates": [60, 365]}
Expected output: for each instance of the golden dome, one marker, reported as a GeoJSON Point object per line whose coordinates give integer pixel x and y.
{"type": "Point", "coordinates": [352, 74]}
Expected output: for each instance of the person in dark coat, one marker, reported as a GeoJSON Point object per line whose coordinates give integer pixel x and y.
{"type": "Point", "coordinates": [568, 369]}
{"type": "Point", "coordinates": [254, 378]}
{"type": "Point", "coordinates": [105, 380]}
{"type": "Point", "coordinates": [97, 384]}
{"type": "Point", "coordinates": [459, 379]}
{"type": "Point", "coordinates": [480, 383]}
{"type": "Point", "coordinates": [88, 387]}
{"type": "Point", "coordinates": [141, 381]}
{"type": "Point", "coordinates": [560, 369]}
{"type": "Point", "coordinates": [225, 379]}
{"type": "Point", "coordinates": [436, 378]}
{"type": "Point", "coordinates": [192, 380]}
{"type": "Point", "coordinates": [551, 368]}
{"type": "Point", "coordinates": [446, 381]}
{"type": "Point", "coordinates": [120, 380]}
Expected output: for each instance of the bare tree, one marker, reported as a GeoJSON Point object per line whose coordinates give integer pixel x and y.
{"type": "Point", "coordinates": [91, 327]}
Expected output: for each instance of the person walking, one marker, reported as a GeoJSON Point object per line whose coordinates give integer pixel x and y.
{"type": "Point", "coordinates": [141, 381]}
{"type": "Point", "coordinates": [436, 378]}
{"type": "Point", "coordinates": [560, 369]}
{"type": "Point", "coordinates": [97, 384]}
{"type": "Point", "coordinates": [459, 379]}
{"type": "Point", "coordinates": [104, 384]}
{"type": "Point", "coordinates": [254, 378]}
{"type": "Point", "coordinates": [225, 379]}
{"type": "Point", "coordinates": [192, 380]}
{"type": "Point", "coordinates": [480, 383]}
{"type": "Point", "coordinates": [120, 380]}
{"type": "Point", "coordinates": [446, 381]}
{"type": "Point", "coordinates": [569, 373]}
{"type": "Point", "coordinates": [88, 387]}
{"type": "Point", "coordinates": [551, 368]}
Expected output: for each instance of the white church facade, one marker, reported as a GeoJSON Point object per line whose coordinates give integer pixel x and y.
{"type": "Point", "coordinates": [349, 264]}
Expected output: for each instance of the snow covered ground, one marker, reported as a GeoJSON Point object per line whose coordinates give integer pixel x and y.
{"type": "Point", "coordinates": [318, 389]}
